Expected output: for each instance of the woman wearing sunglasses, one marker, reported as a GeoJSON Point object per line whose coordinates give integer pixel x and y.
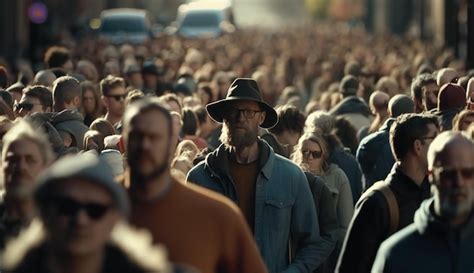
{"type": "Point", "coordinates": [311, 154]}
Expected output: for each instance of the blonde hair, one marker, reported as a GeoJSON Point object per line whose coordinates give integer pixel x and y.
{"type": "Point", "coordinates": [297, 155]}
{"type": "Point", "coordinates": [23, 130]}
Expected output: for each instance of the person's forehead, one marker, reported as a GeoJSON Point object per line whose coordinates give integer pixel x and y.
{"type": "Point", "coordinates": [119, 90]}
{"type": "Point", "coordinates": [457, 154]}
{"type": "Point", "coordinates": [83, 189]}
{"type": "Point", "coordinates": [247, 104]}
{"type": "Point", "coordinates": [152, 120]}
{"type": "Point", "coordinates": [23, 147]}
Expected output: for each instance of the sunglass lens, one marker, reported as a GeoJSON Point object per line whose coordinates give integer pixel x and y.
{"type": "Point", "coordinates": [95, 211]}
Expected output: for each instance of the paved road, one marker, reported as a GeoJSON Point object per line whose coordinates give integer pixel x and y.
{"type": "Point", "coordinates": [269, 13]}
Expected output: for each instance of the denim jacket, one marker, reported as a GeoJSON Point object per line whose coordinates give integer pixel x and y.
{"type": "Point", "coordinates": [284, 208]}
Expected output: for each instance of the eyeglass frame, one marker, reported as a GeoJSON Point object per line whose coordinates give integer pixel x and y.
{"type": "Point", "coordinates": [86, 207]}
{"type": "Point", "coordinates": [319, 154]}
{"type": "Point", "coordinates": [234, 113]}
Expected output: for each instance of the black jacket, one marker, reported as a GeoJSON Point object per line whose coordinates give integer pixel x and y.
{"type": "Point", "coordinates": [370, 225]}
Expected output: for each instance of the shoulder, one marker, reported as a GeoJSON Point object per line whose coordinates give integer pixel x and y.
{"type": "Point", "coordinates": [400, 244]}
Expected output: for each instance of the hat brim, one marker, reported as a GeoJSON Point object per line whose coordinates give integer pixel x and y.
{"type": "Point", "coordinates": [217, 110]}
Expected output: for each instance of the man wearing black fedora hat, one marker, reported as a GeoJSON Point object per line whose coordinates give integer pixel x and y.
{"type": "Point", "coordinates": [271, 191]}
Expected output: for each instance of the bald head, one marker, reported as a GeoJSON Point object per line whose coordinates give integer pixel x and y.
{"type": "Point", "coordinates": [378, 102]}
{"type": "Point", "coordinates": [400, 104]}
{"type": "Point", "coordinates": [446, 75]}
{"type": "Point", "coordinates": [449, 145]}
{"type": "Point", "coordinates": [44, 77]}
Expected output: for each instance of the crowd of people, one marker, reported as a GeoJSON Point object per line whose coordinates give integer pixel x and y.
{"type": "Point", "coordinates": [311, 149]}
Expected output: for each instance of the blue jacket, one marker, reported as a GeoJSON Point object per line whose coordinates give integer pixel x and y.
{"type": "Point", "coordinates": [428, 245]}
{"type": "Point", "coordinates": [375, 155]}
{"type": "Point", "coordinates": [284, 208]}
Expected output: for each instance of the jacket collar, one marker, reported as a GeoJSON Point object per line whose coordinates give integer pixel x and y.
{"type": "Point", "coordinates": [404, 185]}
{"type": "Point", "coordinates": [217, 162]}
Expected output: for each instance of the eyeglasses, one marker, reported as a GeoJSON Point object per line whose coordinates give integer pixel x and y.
{"type": "Point", "coordinates": [314, 154]}
{"type": "Point", "coordinates": [117, 97]}
{"type": "Point", "coordinates": [449, 174]}
{"type": "Point", "coordinates": [248, 113]}
{"type": "Point", "coordinates": [25, 106]}
{"type": "Point", "coordinates": [69, 207]}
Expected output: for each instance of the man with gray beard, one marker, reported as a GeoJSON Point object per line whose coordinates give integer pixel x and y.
{"type": "Point", "coordinates": [441, 239]}
{"type": "Point", "coordinates": [271, 191]}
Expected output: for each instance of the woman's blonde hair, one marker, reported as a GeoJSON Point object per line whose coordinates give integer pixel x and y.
{"type": "Point", "coordinates": [315, 137]}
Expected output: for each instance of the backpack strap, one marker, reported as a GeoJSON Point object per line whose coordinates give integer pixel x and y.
{"type": "Point", "coordinates": [394, 212]}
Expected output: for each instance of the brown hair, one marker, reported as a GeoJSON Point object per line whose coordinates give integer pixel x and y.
{"type": "Point", "coordinates": [111, 82]}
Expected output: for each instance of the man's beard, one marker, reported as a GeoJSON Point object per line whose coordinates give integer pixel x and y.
{"type": "Point", "coordinates": [236, 139]}
{"type": "Point", "coordinates": [450, 209]}
{"type": "Point", "coordinates": [137, 177]}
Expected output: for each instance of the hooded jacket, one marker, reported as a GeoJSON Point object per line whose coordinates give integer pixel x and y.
{"type": "Point", "coordinates": [72, 122]}
{"type": "Point", "coordinates": [354, 109]}
{"type": "Point", "coordinates": [428, 245]}
{"type": "Point", "coordinates": [284, 207]}
{"type": "Point", "coordinates": [375, 155]}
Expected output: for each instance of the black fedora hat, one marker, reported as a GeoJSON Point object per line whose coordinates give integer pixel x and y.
{"type": "Point", "coordinates": [242, 89]}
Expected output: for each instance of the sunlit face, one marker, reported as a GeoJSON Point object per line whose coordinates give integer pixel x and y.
{"type": "Point", "coordinates": [22, 164]}
{"type": "Point", "coordinates": [115, 101]}
{"type": "Point", "coordinates": [88, 101]}
{"type": "Point", "coordinates": [148, 141]}
{"type": "Point", "coordinates": [467, 120]}
{"type": "Point", "coordinates": [426, 140]}
{"type": "Point", "coordinates": [312, 156]}
{"type": "Point", "coordinates": [79, 217]}
{"type": "Point", "coordinates": [453, 180]}
{"type": "Point", "coordinates": [430, 96]}
{"type": "Point", "coordinates": [28, 105]}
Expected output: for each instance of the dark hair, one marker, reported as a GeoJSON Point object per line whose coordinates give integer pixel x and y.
{"type": "Point", "coordinates": [3, 77]}
{"type": "Point", "coordinates": [103, 126]}
{"type": "Point", "coordinates": [206, 88]}
{"type": "Point", "coordinates": [190, 122]}
{"type": "Point", "coordinates": [65, 89]}
{"type": "Point", "coordinates": [459, 118]}
{"type": "Point", "coordinates": [42, 93]}
{"type": "Point", "coordinates": [110, 82]}
{"type": "Point", "coordinates": [346, 133]}
{"type": "Point", "coordinates": [201, 114]}
{"type": "Point", "coordinates": [98, 106]}
{"type": "Point", "coordinates": [290, 118]}
{"type": "Point", "coordinates": [56, 56]}
{"type": "Point", "coordinates": [406, 129]}
{"type": "Point", "coordinates": [418, 83]}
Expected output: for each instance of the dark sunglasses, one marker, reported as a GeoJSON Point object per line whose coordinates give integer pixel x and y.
{"type": "Point", "coordinates": [314, 154]}
{"type": "Point", "coordinates": [118, 97]}
{"type": "Point", "coordinates": [25, 105]}
{"type": "Point", "coordinates": [69, 207]}
{"type": "Point", "coordinates": [234, 113]}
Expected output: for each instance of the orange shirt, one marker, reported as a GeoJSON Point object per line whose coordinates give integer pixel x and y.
{"type": "Point", "coordinates": [200, 228]}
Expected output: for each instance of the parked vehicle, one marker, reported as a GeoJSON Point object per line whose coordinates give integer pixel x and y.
{"type": "Point", "coordinates": [125, 26]}
{"type": "Point", "coordinates": [204, 19]}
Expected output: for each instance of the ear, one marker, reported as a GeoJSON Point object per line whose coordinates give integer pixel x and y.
{"type": "Point", "coordinates": [104, 101]}
{"type": "Point", "coordinates": [77, 101]}
{"type": "Point", "coordinates": [262, 118]}
{"type": "Point", "coordinates": [417, 146]}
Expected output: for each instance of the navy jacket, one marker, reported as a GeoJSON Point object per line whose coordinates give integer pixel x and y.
{"type": "Point", "coordinates": [375, 155]}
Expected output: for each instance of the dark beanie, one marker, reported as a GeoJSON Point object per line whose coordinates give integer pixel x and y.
{"type": "Point", "coordinates": [451, 96]}
{"type": "Point", "coordinates": [349, 85]}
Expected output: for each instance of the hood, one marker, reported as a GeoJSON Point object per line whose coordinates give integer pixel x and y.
{"type": "Point", "coordinates": [71, 121]}
{"type": "Point", "coordinates": [426, 221]}
{"type": "Point", "coordinates": [349, 105]}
